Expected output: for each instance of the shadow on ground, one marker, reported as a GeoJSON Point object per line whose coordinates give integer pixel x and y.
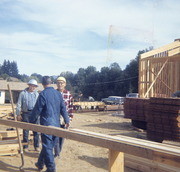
{"type": "Point", "coordinates": [95, 161]}
{"type": "Point", "coordinates": [113, 125]}
{"type": "Point", "coordinates": [32, 154]}
{"type": "Point", "coordinates": [11, 168]}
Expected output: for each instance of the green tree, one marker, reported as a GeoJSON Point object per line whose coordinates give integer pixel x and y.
{"type": "Point", "coordinates": [14, 69]}
{"type": "Point", "coordinates": [10, 68]}
{"type": "Point", "coordinates": [37, 77]}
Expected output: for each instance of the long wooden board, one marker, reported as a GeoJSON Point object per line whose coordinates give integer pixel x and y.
{"type": "Point", "coordinates": [158, 152]}
{"type": "Point", "coordinates": [145, 165]}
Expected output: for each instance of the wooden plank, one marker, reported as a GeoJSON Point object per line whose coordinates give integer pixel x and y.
{"type": "Point", "coordinates": [158, 152]}
{"type": "Point", "coordinates": [8, 134]}
{"type": "Point", "coordinates": [9, 149]}
{"type": "Point", "coordinates": [8, 142]}
{"type": "Point", "coordinates": [162, 59]}
{"type": "Point", "coordinates": [145, 165]}
{"type": "Point", "coordinates": [116, 161]}
{"type": "Point", "coordinates": [10, 152]}
{"type": "Point", "coordinates": [174, 45]}
{"type": "Point", "coordinates": [125, 138]}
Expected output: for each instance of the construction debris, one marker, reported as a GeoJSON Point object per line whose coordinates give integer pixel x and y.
{"type": "Point", "coordinates": [8, 143]}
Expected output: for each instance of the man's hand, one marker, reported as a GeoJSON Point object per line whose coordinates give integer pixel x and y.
{"type": "Point", "coordinates": [66, 126]}
{"type": "Point", "coordinates": [71, 115]}
{"type": "Point", "coordinates": [19, 118]}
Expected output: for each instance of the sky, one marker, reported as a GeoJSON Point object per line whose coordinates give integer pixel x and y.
{"type": "Point", "coordinates": [53, 36]}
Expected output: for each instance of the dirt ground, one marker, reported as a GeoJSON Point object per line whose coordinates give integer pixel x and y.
{"type": "Point", "coordinates": [77, 156]}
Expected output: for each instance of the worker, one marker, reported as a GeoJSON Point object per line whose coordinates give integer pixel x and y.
{"type": "Point", "coordinates": [48, 107]}
{"type": "Point", "coordinates": [25, 104]}
{"type": "Point", "coordinates": [68, 100]}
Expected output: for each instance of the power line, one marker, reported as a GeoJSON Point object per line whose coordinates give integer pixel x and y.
{"type": "Point", "coordinates": [108, 82]}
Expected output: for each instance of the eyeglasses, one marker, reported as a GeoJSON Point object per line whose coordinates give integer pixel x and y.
{"type": "Point", "coordinates": [60, 83]}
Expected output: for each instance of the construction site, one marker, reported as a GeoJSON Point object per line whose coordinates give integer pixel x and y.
{"type": "Point", "coordinates": [141, 135]}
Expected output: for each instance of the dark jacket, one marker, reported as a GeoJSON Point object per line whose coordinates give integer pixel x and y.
{"type": "Point", "coordinates": [49, 106]}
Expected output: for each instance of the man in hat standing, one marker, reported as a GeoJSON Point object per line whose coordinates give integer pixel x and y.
{"type": "Point", "coordinates": [68, 100]}
{"type": "Point", "coordinates": [25, 104]}
{"type": "Point", "coordinates": [48, 107]}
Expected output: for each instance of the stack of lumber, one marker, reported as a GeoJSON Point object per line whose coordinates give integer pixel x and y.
{"type": "Point", "coordinates": [163, 119]}
{"type": "Point", "coordinates": [136, 108]}
{"type": "Point", "coordinates": [114, 107]}
{"type": "Point", "coordinates": [88, 106]}
{"type": "Point", "coordinates": [6, 112]}
{"type": "Point", "coordinates": [8, 143]}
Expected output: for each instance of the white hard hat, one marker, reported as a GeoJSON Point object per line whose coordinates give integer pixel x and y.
{"type": "Point", "coordinates": [33, 82]}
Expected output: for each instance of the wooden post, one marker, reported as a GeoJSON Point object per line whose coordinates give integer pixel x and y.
{"type": "Point", "coordinates": [17, 130]}
{"type": "Point", "coordinates": [116, 161]}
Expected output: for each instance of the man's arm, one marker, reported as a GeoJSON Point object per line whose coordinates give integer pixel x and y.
{"type": "Point", "coordinates": [18, 107]}
{"type": "Point", "coordinates": [64, 113]}
{"type": "Point", "coordinates": [70, 106]}
{"type": "Point", "coordinates": [37, 109]}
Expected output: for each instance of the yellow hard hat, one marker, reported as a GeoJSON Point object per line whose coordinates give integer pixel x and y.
{"type": "Point", "coordinates": [61, 79]}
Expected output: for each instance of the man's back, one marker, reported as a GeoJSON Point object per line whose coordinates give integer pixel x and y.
{"type": "Point", "coordinates": [49, 106]}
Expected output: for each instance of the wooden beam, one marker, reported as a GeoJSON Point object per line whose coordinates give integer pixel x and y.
{"type": "Point", "coordinates": [8, 134]}
{"type": "Point", "coordinates": [116, 161]}
{"type": "Point", "coordinates": [156, 152]}
{"type": "Point", "coordinates": [9, 149]}
{"type": "Point", "coordinates": [168, 47]}
{"type": "Point", "coordinates": [145, 165]}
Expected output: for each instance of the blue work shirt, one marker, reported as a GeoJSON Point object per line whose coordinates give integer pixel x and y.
{"type": "Point", "coordinates": [23, 101]}
{"type": "Point", "coordinates": [49, 106]}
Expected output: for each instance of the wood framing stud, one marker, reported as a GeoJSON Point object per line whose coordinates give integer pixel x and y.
{"type": "Point", "coordinates": [116, 161]}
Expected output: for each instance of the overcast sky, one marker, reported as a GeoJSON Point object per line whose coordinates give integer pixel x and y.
{"type": "Point", "coordinates": [52, 36]}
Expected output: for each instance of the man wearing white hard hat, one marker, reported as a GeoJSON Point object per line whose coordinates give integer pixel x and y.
{"type": "Point", "coordinates": [25, 105]}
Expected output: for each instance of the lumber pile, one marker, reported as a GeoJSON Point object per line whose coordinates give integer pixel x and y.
{"type": "Point", "coordinates": [8, 135]}
{"type": "Point", "coordinates": [163, 119]}
{"type": "Point", "coordinates": [6, 112]}
{"type": "Point", "coordinates": [9, 149]}
{"type": "Point", "coordinates": [114, 107]}
{"type": "Point", "coordinates": [8, 143]}
{"type": "Point", "coordinates": [136, 108]}
{"type": "Point", "coordinates": [88, 106]}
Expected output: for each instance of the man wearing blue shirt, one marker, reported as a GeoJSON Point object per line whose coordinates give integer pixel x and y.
{"type": "Point", "coordinates": [48, 107]}
{"type": "Point", "coordinates": [25, 105]}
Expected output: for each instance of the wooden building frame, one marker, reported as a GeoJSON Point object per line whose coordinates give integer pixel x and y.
{"type": "Point", "coordinates": [159, 71]}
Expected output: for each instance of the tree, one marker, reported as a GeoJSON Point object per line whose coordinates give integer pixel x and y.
{"type": "Point", "coordinates": [10, 68]}
{"type": "Point", "coordinates": [24, 78]}
{"type": "Point", "coordinates": [37, 77]}
{"type": "Point", "coordinates": [14, 69]}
